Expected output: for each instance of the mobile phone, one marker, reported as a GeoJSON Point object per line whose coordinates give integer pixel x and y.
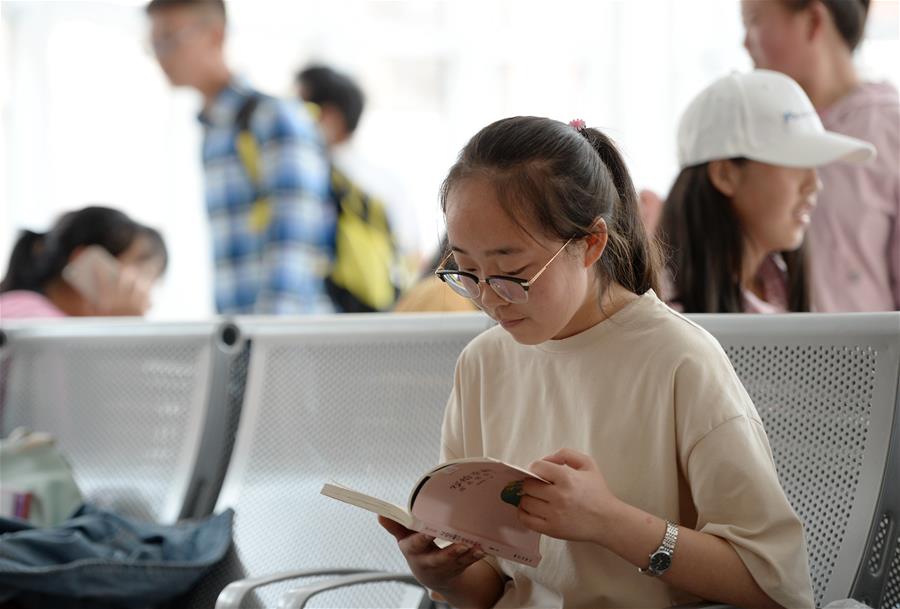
{"type": "Point", "coordinates": [91, 269]}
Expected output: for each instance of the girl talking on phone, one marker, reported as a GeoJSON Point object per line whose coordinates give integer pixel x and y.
{"type": "Point", "coordinates": [94, 261]}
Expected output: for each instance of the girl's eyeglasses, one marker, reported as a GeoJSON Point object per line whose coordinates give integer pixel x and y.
{"type": "Point", "coordinates": [511, 289]}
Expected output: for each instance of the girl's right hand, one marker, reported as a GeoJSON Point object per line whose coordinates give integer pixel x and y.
{"type": "Point", "coordinates": [436, 568]}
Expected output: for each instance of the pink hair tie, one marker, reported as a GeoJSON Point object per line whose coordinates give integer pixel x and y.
{"type": "Point", "coordinates": [577, 124]}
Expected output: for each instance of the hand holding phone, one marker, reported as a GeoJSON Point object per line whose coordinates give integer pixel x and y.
{"type": "Point", "coordinates": [109, 287]}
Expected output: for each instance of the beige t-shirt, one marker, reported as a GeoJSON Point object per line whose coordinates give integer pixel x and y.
{"type": "Point", "coordinates": [654, 400]}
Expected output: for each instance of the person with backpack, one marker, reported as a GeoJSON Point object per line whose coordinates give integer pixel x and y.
{"type": "Point", "coordinates": [377, 241]}
{"type": "Point", "coordinates": [273, 229]}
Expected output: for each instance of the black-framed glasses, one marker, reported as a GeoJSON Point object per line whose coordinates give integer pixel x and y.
{"type": "Point", "coordinates": [513, 290]}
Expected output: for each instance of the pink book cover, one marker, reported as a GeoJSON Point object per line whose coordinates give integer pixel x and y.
{"type": "Point", "coordinates": [472, 501]}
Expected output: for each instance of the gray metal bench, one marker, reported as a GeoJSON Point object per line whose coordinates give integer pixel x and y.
{"type": "Point", "coordinates": [147, 413]}
{"type": "Point", "coordinates": [138, 408]}
{"type": "Point", "coordinates": [826, 388]}
{"type": "Point", "coordinates": [356, 398]}
{"type": "Point", "coordinates": [329, 400]}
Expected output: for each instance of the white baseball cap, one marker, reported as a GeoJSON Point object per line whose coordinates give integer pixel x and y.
{"type": "Point", "coordinates": [763, 116]}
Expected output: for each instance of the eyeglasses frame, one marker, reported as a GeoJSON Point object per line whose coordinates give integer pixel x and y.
{"type": "Point", "coordinates": [441, 272]}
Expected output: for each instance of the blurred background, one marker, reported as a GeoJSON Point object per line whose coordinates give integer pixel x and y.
{"type": "Point", "coordinates": [86, 116]}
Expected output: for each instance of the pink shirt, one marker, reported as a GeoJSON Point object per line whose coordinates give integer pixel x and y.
{"type": "Point", "coordinates": [24, 304]}
{"type": "Point", "coordinates": [773, 277]}
{"type": "Point", "coordinates": [855, 231]}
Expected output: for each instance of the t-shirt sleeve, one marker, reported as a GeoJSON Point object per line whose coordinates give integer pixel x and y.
{"type": "Point", "coordinates": [727, 462]}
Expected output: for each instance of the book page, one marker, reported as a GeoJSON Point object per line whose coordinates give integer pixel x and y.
{"type": "Point", "coordinates": [477, 500]}
{"type": "Point", "coordinates": [367, 502]}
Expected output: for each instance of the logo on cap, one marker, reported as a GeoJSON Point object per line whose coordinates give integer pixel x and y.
{"type": "Point", "coordinates": [792, 116]}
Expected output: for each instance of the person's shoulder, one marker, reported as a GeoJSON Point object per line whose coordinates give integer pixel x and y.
{"type": "Point", "coordinates": [278, 118]}
{"type": "Point", "coordinates": [671, 343]}
{"type": "Point", "coordinates": [867, 96]}
{"type": "Point", "coordinates": [671, 330]}
{"type": "Point", "coordinates": [648, 326]}
{"type": "Point", "coordinates": [25, 304]}
{"type": "Point", "coordinates": [880, 94]}
{"type": "Point", "coordinates": [871, 112]}
{"type": "Point", "coordinates": [707, 388]}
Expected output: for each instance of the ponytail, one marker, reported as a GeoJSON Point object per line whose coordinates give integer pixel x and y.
{"type": "Point", "coordinates": [631, 258]}
{"type": "Point", "coordinates": [25, 268]}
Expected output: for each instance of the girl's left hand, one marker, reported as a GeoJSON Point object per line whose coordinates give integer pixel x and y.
{"type": "Point", "coordinates": [577, 505]}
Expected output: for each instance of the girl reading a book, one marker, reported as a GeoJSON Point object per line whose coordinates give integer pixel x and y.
{"type": "Point", "coordinates": [662, 489]}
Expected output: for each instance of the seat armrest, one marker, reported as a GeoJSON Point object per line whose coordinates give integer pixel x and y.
{"type": "Point", "coordinates": [233, 595]}
{"type": "Point", "coordinates": [298, 597]}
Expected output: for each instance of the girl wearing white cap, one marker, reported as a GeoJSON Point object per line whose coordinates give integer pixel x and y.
{"type": "Point", "coordinates": [736, 217]}
{"type": "Point", "coordinates": [854, 236]}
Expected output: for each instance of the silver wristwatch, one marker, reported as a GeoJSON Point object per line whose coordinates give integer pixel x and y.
{"type": "Point", "coordinates": [661, 559]}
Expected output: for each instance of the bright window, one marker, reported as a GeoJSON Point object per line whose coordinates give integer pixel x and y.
{"type": "Point", "coordinates": [87, 117]}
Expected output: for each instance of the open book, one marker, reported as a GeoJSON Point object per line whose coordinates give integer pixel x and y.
{"type": "Point", "coordinates": [472, 501]}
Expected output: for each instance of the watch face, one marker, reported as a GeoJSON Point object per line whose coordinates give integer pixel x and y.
{"type": "Point", "coordinates": [660, 561]}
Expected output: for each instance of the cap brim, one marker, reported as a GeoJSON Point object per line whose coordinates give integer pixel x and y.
{"type": "Point", "coordinates": [816, 149]}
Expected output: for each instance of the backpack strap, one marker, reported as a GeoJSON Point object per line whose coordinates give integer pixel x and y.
{"type": "Point", "coordinates": [249, 154]}
{"type": "Point", "coordinates": [247, 146]}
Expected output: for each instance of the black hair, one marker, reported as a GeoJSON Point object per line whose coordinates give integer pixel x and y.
{"type": "Point", "coordinates": [564, 179]}
{"type": "Point", "coordinates": [38, 258]}
{"type": "Point", "coordinates": [705, 244]}
{"type": "Point", "coordinates": [849, 17]}
{"type": "Point", "coordinates": [216, 6]}
{"type": "Point", "coordinates": [326, 87]}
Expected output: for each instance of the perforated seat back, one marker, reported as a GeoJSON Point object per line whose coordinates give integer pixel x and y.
{"type": "Point", "coordinates": [358, 400]}
{"type": "Point", "coordinates": [826, 390]}
{"type": "Point", "coordinates": [127, 402]}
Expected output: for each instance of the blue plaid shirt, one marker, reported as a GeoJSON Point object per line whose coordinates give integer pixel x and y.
{"type": "Point", "coordinates": [279, 269]}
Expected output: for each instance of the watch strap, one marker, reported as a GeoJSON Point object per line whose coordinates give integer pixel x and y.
{"type": "Point", "coordinates": [667, 546]}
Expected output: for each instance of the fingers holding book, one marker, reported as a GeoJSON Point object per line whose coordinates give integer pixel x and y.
{"type": "Point", "coordinates": [433, 566]}
{"type": "Point", "coordinates": [396, 529]}
{"type": "Point", "coordinates": [576, 503]}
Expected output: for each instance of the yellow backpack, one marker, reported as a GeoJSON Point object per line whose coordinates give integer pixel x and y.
{"type": "Point", "coordinates": [362, 277]}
